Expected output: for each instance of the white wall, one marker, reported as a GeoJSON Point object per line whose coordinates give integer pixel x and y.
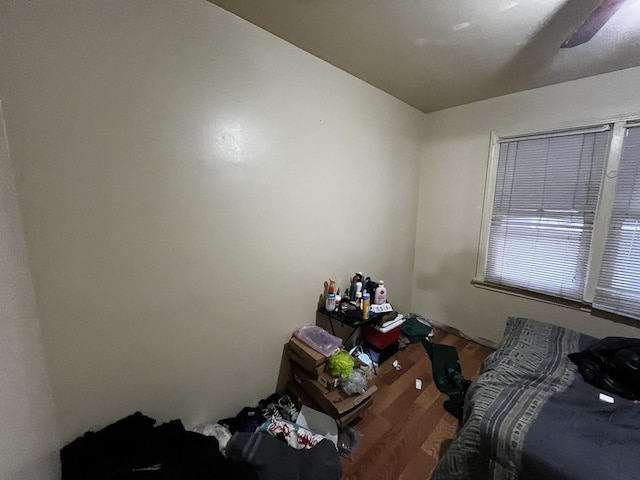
{"type": "Point", "coordinates": [29, 440]}
{"type": "Point", "coordinates": [187, 183]}
{"type": "Point", "coordinates": [452, 182]}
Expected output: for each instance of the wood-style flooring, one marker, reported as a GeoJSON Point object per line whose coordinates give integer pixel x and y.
{"type": "Point", "coordinates": [406, 430]}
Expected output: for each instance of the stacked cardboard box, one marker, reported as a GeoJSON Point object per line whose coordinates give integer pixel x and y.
{"type": "Point", "coordinates": [318, 389]}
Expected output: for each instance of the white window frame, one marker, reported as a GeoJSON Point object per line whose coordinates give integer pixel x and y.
{"type": "Point", "coordinates": [604, 208]}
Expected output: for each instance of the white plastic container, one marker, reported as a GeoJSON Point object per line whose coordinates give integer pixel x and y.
{"type": "Point", "coordinates": [318, 339]}
{"type": "Point", "coordinates": [330, 302]}
{"type": "Point", "coordinates": [380, 295]}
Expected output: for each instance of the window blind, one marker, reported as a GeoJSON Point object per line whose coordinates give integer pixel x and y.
{"type": "Point", "coordinates": [544, 207]}
{"type": "Point", "coordinates": [618, 287]}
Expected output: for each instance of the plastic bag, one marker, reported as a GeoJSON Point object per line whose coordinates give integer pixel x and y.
{"type": "Point", "coordinates": [354, 384]}
{"type": "Point", "coordinates": [348, 439]}
{"type": "Point", "coordinates": [222, 433]}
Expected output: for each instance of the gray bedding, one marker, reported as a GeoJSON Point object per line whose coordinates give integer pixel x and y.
{"type": "Point", "coordinates": [531, 416]}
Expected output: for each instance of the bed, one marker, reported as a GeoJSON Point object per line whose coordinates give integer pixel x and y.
{"type": "Point", "coordinates": [530, 415]}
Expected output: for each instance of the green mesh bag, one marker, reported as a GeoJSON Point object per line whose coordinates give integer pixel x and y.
{"type": "Point", "coordinates": [340, 364]}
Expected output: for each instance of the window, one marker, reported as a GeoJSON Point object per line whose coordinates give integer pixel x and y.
{"type": "Point", "coordinates": [562, 217]}
{"type": "Point", "coordinates": [618, 288]}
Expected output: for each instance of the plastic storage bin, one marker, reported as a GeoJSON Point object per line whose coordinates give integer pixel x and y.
{"type": "Point", "coordinates": [318, 339]}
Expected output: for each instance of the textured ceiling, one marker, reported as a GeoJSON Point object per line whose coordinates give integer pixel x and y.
{"type": "Point", "coordinates": [435, 54]}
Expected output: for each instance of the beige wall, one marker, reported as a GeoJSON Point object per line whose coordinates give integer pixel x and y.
{"type": "Point", "coordinates": [187, 182]}
{"type": "Point", "coordinates": [452, 182]}
{"type": "Point", "coordinates": [29, 440]}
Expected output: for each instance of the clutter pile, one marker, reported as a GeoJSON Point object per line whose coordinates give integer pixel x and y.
{"type": "Point", "coordinates": [271, 441]}
{"type": "Point", "coordinates": [331, 381]}
{"type": "Point", "coordinates": [134, 448]}
{"type": "Point", "coordinates": [280, 438]}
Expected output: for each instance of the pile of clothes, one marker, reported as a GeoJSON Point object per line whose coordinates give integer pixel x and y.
{"type": "Point", "coordinates": [612, 364]}
{"type": "Point", "coordinates": [133, 448]}
{"type": "Point", "coordinates": [259, 443]}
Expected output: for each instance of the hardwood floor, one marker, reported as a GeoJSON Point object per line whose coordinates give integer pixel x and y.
{"type": "Point", "coordinates": [406, 430]}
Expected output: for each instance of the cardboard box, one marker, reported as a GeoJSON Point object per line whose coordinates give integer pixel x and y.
{"type": "Point", "coordinates": [335, 403]}
{"type": "Point", "coordinates": [309, 358]}
{"type": "Point", "coordinates": [302, 396]}
{"type": "Point", "coordinates": [328, 382]}
{"type": "Point", "coordinates": [351, 415]}
{"type": "Point", "coordinates": [313, 371]}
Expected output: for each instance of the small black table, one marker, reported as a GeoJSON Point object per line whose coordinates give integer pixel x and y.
{"type": "Point", "coordinates": [354, 323]}
{"type": "Point", "coordinates": [349, 321]}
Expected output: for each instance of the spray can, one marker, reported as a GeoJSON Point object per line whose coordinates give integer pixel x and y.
{"type": "Point", "coordinates": [366, 302]}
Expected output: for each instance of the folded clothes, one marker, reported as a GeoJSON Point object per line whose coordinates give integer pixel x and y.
{"type": "Point", "coordinates": [416, 328]}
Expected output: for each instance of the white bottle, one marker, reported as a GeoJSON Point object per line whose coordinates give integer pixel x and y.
{"type": "Point", "coordinates": [358, 301]}
{"type": "Point", "coordinates": [380, 296]}
{"type": "Point", "coordinates": [330, 303]}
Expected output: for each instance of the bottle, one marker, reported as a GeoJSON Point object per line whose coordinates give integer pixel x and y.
{"type": "Point", "coordinates": [356, 278]}
{"type": "Point", "coordinates": [358, 287]}
{"type": "Point", "coordinates": [358, 302]}
{"type": "Point", "coordinates": [366, 301]}
{"type": "Point", "coordinates": [380, 295]}
{"type": "Point", "coordinates": [330, 302]}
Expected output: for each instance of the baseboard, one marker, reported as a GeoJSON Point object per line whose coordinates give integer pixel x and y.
{"type": "Point", "coordinates": [449, 329]}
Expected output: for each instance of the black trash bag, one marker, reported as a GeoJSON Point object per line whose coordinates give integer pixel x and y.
{"type": "Point", "coordinates": [612, 364]}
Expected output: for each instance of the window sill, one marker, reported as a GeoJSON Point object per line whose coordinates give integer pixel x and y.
{"type": "Point", "coordinates": [560, 302]}
{"type": "Point", "coordinates": [539, 297]}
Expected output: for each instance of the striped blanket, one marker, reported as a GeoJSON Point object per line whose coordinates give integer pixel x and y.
{"type": "Point", "coordinates": [531, 416]}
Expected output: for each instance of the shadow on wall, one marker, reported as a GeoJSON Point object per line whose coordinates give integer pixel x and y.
{"type": "Point", "coordinates": [450, 287]}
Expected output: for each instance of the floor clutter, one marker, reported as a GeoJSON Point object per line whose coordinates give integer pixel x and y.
{"type": "Point", "coordinates": [280, 438]}
{"type": "Point", "coordinates": [313, 384]}
{"type": "Point", "coordinates": [294, 435]}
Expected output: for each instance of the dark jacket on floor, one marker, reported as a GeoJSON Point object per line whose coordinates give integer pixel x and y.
{"type": "Point", "coordinates": [132, 449]}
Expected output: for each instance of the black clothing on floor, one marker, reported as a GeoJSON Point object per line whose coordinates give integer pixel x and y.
{"type": "Point", "coordinates": [455, 404]}
{"type": "Point", "coordinates": [132, 448]}
{"type": "Point", "coordinates": [447, 373]}
{"type": "Point", "coordinates": [274, 460]}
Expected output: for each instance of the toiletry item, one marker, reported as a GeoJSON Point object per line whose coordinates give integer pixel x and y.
{"type": "Point", "coordinates": [366, 301]}
{"type": "Point", "coordinates": [358, 287]}
{"type": "Point", "coordinates": [338, 300]}
{"type": "Point", "coordinates": [358, 300]}
{"type": "Point", "coordinates": [380, 295]}
{"type": "Point", "coordinates": [330, 303]}
{"type": "Point", "coordinates": [357, 277]}
{"type": "Point", "coordinates": [370, 286]}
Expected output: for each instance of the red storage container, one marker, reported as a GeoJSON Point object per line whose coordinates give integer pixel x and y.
{"type": "Point", "coordinates": [378, 339]}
